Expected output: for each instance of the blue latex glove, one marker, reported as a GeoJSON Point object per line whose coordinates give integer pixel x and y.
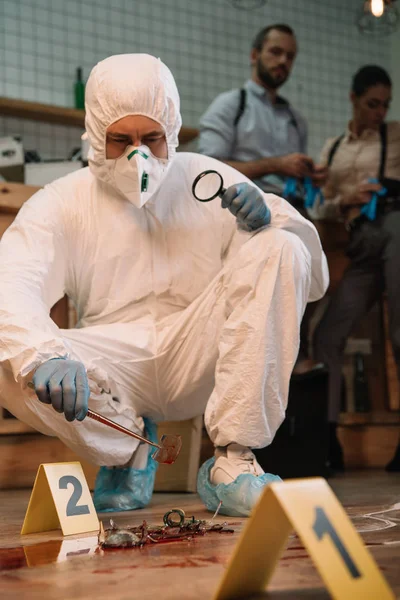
{"type": "Point", "coordinates": [369, 210]}
{"type": "Point", "coordinates": [64, 384]}
{"type": "Point", "coordinates": [247, 203]}
{"type": "Point", "coordinates": [238, 498]}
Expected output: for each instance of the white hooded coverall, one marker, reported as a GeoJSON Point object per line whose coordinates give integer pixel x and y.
{"type": "Point", "coordinates": [179, 312]}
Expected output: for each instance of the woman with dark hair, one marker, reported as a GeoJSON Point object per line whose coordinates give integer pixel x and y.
{"type": "Point", "coordinates": [363, 163]}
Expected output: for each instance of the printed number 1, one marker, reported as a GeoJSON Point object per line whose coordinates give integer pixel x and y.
{"type": "Point", "coordinates": [322, 526]}
{"type": "Point", "coordinates": [72, 506]}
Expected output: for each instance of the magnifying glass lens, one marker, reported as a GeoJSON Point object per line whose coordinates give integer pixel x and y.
{"type": "Point", "coordinates": [207, 186]}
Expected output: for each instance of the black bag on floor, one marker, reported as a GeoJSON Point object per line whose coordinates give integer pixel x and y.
{"type": "Point", "coordinates": [300, 446]}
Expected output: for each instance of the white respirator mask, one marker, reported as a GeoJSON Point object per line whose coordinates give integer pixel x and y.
{"type": "Point", "coordinates": [138, 174]}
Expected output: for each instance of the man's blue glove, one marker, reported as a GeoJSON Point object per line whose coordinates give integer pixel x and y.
{"type": "Point", "coordinates": [247, 203]}
{"type": "Point", "coordinates": [64, 384]}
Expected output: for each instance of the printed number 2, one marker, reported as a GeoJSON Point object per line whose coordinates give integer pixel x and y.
{"type": "Point", "coordinates": [322, 526]}
{"type": "Point", "coordinates": [72, 506]}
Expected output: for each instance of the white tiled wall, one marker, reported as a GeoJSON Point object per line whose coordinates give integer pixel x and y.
{"type": "Point", "coordinates": [205, 42]}
{"type": "Point", "coordinates": [395, 73]}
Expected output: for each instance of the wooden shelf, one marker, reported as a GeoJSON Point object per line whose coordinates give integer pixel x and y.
{"type": "Point", "coordinates": [371, 418]}
{"type": "Point", "coordinates": [47, 113]}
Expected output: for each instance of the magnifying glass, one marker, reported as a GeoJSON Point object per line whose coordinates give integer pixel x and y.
{"type": "Point", "coordinates": [208, 185]}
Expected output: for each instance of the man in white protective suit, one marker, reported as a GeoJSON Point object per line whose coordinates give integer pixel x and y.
{"type": "Point", "coordinates": [183, 307]}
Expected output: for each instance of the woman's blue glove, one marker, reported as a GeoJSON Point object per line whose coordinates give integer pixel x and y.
{"type": "Point", "coordinates": [64, 384]}
{"type": "Point", "coordinates": [247, 203]}
{"type": "Point", "coordinates": [369, 210]}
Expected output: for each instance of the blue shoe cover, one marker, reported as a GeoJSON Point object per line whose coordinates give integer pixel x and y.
{"type": "Point", "coordinates": [117, 489]}
{"type": "Point", "coordinates": [238, 498]}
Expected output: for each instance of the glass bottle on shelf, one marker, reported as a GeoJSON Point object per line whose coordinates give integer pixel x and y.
{"type": "Point", "coordinates": [79, 90]}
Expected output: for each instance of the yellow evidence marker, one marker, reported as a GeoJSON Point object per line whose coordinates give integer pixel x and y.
{"type": "Point", "coordinates": [60, 498]}
{"type": "Point", "coordinates": [311, 508]}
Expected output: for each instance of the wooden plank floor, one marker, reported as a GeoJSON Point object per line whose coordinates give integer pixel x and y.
{"type": "Point", "coordinates": [50, 566]}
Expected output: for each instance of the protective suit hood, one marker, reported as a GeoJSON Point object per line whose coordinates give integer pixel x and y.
{"type": "Point", "coordinates": [129, 84]}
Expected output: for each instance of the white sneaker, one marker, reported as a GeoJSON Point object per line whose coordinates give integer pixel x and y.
{"type": "Point", "coordinates": [232, 461]}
